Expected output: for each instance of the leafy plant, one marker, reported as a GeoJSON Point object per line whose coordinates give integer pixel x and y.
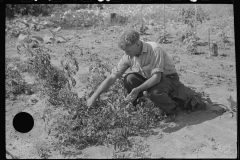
{"type": "Point", "coordinates": [51, 78]}
{"type": "Point", "coordinates": [188, 16]}
{"type": "Point", "coordinates": [55, 33]}
{"type": "Point", "coordinates": [31, 9]}
{"type": "Point", "coordinates": [70, 66]}
{"type": "Point", "coordinates": [26, 42]}
{"type": "Point", "coordinates": [192, 45]}
{"type": "Point", "coordinates": [14, 82]}
{"type": "Point", "coordinates": [163, 38]}
{"type": "Point", "coordinates": [110, 121]}
{"type": "Point", "coordinates": [233, 105]}
{"type": "Point", "coordinates": [22, 25]}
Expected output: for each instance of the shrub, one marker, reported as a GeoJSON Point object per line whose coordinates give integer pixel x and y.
{"type": "Point", "coordinates": [28, 9]}
{"type": "Point", "coordinates": [188, 16]}
{"type": "Point", "coordinates": [110, 121]}
{"type": "Point", "coordinates": [14, 82]}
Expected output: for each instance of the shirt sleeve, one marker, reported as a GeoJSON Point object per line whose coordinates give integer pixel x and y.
{"type": "Point", "coordinates": [157, 62]}
{"type": "Point", "coordinates": [122, 66]}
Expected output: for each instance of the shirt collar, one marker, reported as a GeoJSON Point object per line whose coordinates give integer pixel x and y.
{"type": "Point", "coordinates": [144, 47]}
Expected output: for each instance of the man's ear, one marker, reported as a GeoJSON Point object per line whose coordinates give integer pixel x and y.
{"type": "Point", "coordinates": [138, 43]}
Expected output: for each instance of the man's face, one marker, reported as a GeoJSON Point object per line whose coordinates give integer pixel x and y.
{"type": "Point", "coordinates": [132, 50]}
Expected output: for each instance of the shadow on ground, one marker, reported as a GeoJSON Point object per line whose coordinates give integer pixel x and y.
{"type": "Point", "coordinates": [185, 118]}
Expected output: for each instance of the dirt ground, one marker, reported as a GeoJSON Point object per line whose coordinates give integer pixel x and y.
{"type": "Point", "coordinates": [211, 133]}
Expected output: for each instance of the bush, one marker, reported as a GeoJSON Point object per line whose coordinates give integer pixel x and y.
{"type": "Point", "coordinates": [28, 9]}
{"type": "Point", "coordinates": [110, 121]}
{"type": "Point", "coordinates": [74, 7]}
{"type": "Point", "coordinates": [14, 82]}
{"type": "Point", "coordinates": [188, 16]}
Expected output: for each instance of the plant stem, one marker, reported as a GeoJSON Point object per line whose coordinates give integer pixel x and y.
{"type": "Point", "coordinates": [141, 18]}
{"type": "Point", "coordinates": [164, 19]}
{"type": "Point", "coordinates": [209, 41]}
{"type": "Point", "coordinates": [54, 34]}
{"type": "Point", "coordinates": [195, 19]}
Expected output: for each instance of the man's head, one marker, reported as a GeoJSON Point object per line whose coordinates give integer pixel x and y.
{"type": "Point", "coordinates": [130, 43]}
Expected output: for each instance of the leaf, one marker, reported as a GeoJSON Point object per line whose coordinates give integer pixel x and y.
{"type": "Point", "coordinates": [123, 104]}
{"type": "Point", "coordinates": [47, 23]}
{"type": "Point", "coordinates": [39, 39]}
{"type": "Point", "coordinates": [233, 104]}
{"type": "Point", "coordinates": [69, 16]}
{"type": "Point", "coordinates": [21, 25]}
{"type": "Point", "coordinates": [56, 29]}
{"type": "Point", "coordinates": [60, 39]}
{"type": "Point", "coordinates": [21, 37]}
{"type": "Point", "coordinates": [51, 31]}
{"type": "Point", "coordinates": [105, 98]}
{"type": "Point", "coordinates": [73, 81]}
{"type": "Point", "coordinates": [48, 39]}
{"type": "Point", "coordinates": [32, 25]}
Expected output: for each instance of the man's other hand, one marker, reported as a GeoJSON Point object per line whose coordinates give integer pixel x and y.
{"type": "Point", "coordinates": [132, 96]}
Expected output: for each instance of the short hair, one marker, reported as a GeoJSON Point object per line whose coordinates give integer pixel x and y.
{"type": "Point", "coordinates": [128, 38]}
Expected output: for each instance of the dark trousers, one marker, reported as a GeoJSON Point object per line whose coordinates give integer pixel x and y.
{"type": "Point", "coordinates": [159, 93]}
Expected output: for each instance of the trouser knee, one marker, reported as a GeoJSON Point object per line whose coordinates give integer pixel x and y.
{"type": "Point", "coordinates": [162, 100]}
{"type": "Point", "coordinates": [128, 79]}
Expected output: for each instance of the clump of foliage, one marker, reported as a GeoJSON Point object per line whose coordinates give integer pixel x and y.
{"type": "Point", "coordinates": [26, 41]}
{"type": "Point", "coordinates": [22, 25]}
{"type": "Point", "coordinates": [77, 18]}
{"type": "Point", "coordinates": [188, 16]}
{"type": "Point", "coordinates": [14, 83]}
{"type": "Point", "coordinates": [28, 9]}
{"type": "Point", "coordinates": [55, 34]}
{"type": "Point", "coordinates": [191, 40]}
{"type": "Point", "coordinates": [192, 48]}
{"type": "Point", "coordinates": [163, 38]}
{"type": "Point", "coordinates": [51, 78]}
{"type": "Point", "coordinates": [110, 121]}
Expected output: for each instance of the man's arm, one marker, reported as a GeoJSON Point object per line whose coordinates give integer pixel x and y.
{"type": "Point", "coordinates": [117, 71]}
{"type": "Point", "coordinates": [105, 85]}
{"type": "Point", "coordinates": [150, 82]}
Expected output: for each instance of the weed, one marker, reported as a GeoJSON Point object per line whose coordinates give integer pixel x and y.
{"type": "Point", "coordinates": [55, 33]}
{"type": "Point", "coordinates": [110, 121]}
{"type": "Point", "coordinates": [188, 16]}
{"type": "Point", "coordinates": [14, 82]}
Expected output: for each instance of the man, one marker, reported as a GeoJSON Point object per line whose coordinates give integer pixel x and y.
{"type": "Point", "coordinates": [152, 71]}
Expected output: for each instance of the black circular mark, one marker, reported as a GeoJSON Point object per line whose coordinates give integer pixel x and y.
{"type": "Point", "coordinates": [23, 122]}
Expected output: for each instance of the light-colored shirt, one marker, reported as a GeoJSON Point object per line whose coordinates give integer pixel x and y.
{"type": "Point", "coordinates": [152, 59]}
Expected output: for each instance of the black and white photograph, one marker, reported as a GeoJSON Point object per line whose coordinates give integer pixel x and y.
{"type": "Point", "coordinates": [120, 81]}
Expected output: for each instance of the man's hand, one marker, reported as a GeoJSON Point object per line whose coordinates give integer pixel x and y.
{"type": "Point", "coordinates": [102, 88]}
{"type": "Point", "coordinates": [91, 102]}
{"type": "Point", "coordinates": [132, 96]}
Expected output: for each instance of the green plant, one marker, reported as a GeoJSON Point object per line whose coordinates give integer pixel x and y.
{"type": "Point", "coordinates": [31, 9]}
{"type": "Point", "coordinates": [55, 33]}
{"type": "Point", "coordinates": [111, 121]}
{"type": "Point", "coordinates": [42, 150]}
{"type": "Point", "coordinates": [51, 78]}
{"type": "Point", "coordinates": [163, 38]}
{"type": "Point", "coordinates": [23, 25]}
{"type": "Point", "coordinates": [14, 82]}
{"type": "Point", "coordinates": [188, 16]}
{"type": "Point", "coordinates": [192, 48]}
